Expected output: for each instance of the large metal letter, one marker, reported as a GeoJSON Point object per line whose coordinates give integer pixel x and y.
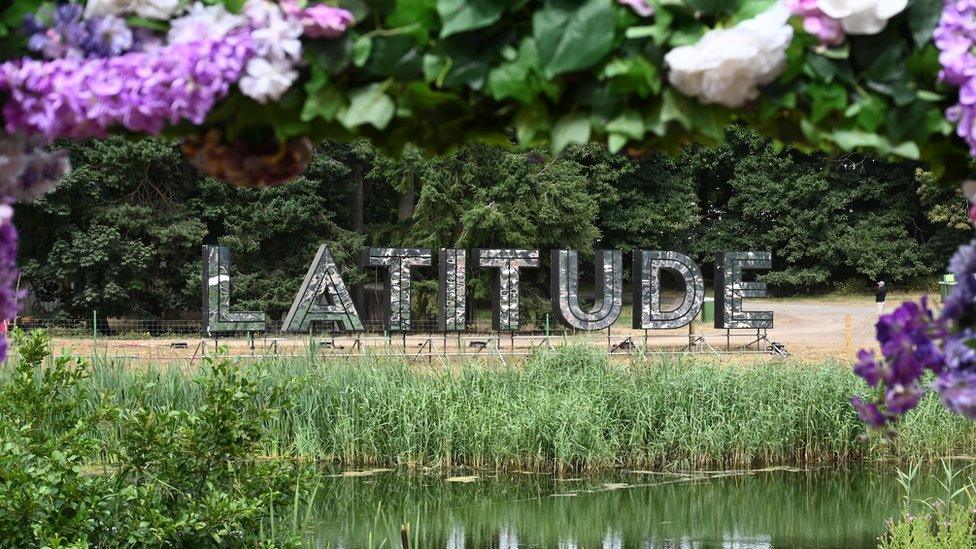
{"type": "Point", "coordinates": [451, 292]}
{"type": "Point", "coordinates": [565, 289]}
{"type": "Point", "coordinates": [730, 289]}
{"type": "Point", "coordinates": [505, 283]}
{"type": "Point", "coordinates": [647, 290]}
{"type": "Point", "coordinates": [217, 316]}
{"type": "Point", "coordinates": [396, 281]}
{"type": "Point", "coordinates": [322, 297]}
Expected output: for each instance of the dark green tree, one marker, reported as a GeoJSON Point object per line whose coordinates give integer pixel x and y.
{"type": "Point", "coordinates": [826, 220]}
{"type": "Point", "coordinates": [122, 234]}
{"type": "Point", "coordinates": [117, 234]}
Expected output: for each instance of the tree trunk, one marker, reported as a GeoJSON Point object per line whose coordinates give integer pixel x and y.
{"type": "Point", "coordinates": [357, 198]}
{"type": "Point", "coordinates": [358, 296]}
{"type": "Point", "coordinates": [406, 204]}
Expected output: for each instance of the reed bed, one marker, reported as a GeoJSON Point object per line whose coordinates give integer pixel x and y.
{"type": "Point", "coordinates": [569, 409]}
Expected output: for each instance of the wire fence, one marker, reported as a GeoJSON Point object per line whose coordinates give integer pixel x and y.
{"type": "Point", "coordinates": [176, 340]}
{"type": "Point", "coordinates": [129, 328]}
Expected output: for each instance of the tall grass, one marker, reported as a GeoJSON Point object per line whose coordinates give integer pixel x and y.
{"type": "Point", "coordinates": [565, 409]}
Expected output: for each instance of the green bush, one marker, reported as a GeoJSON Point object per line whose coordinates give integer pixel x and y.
{"type": "Point", "coordinates": [180, 478]}
{"type": "Point", "coordinates": [948, 526]}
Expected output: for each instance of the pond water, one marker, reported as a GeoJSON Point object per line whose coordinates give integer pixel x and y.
{"type": "Point", "coordinates": [779, 508]}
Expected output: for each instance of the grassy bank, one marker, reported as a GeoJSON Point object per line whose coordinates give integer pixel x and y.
{"type": "Point", "coordinates": [567, 409]}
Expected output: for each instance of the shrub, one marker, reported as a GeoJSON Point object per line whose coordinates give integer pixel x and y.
{"type": "Point", "coordinates": [189, 478]}
{"type": "Point", "coordinates": [948, 526]}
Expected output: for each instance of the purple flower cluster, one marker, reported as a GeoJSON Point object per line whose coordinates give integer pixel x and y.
{"type": "Point", "coordinates": [955, 37]}
{"type": "Point", "coordinates": [8, 271]}
{"type": "Point", "coordinates": [909, 347]}
{"type": "Point", "coordinates": [827, 29]}
{"type": "Point", "coordinates": [957, 382]}
{"type": "Point", "coordinates": [913, 343]}
{"type": "Point", "coordinates": [139, 91]}
{"type": "Point", "coordinates": [320, 20]}
{"type": "Point", "coordinates": [64, 34]}
{"type": "Point", "coordinates": [27, 170]}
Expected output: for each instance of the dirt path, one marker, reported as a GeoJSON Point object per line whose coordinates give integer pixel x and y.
{"type": "Point", "coordinates": [813, 329]}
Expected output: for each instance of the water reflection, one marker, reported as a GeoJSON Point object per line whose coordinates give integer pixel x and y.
{"type": "Point", "coordinates": [769, 509]}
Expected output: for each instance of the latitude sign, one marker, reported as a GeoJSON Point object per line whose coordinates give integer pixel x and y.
{"type": "Point", "coordinates": [323, 295]}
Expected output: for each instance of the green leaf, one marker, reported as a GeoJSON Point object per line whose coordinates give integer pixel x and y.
{"type": "Point", "coordinates": [333, 56]}
{"type": "Point", "coordinates": [517, 79]}
{"type": "Point", "coordinates": [662, 23]}
{"type": "Point", "coordinates": [233, 6]}
{"type": "Point", "coordinates": [458, 67]}
{"type": "Point", "coordinates": [420, 13]}
{"type": "Point", "coordinates": [628, 124]}
{"type": "Point", "coordinates": [395, 56]}
{"type": "Point", "coordinates": [435, 68]}
{"type": "Point", "coordinates": [465, 15]}
{"type": "Point", "coordinates": [615, 142]}
{"type": "Point", "coordinates": [711, 122]}
{"type": "Point", "coordinates": [531, 121]}
{"type": "Point", "coordinates": [324, 104]}
{"type": "Point", "coordinates": [750, 9]}
{"type": "Point", "coordinates": [632, 74]}
{"type": "Point", "coordinates": [908, 149]}
{"type": "Point", "coordinates": [853, 139]}
{"type": "Point", "coordinates": [640, 32]}
{"type": "Point", "coordinates": [13, 15]}
{"type": "Point", "coordinates": [924, 63]}
{"type": "Point", "coordinates": [659, 31]}
{"type": "Point", "coordinates": [322, 101]}
{"type": "Point", "coordinates": [713, 7]}
{"type": "Point", "coordinates": [923, 15]}
{"type": "Point", "coordinates": [825, 99]}
{"type": "Point", "coordinates": [888, 65]}
{"type": "Point", "coordinates": [369, 105]}
{"type": "Point", "coordinates": [687, 34]}
{"type": "Point", "coordinates": [153, 24]}
{"type": "Point", "coordinates": [870, 113]}
{"type": "Point", "coordinates": [908, 122]}
{"type": "Point", "coordinates": [936, 123]}
{"type": "Point", "coordinates": [571, 35]}
{"type": "Point", "coordinates": [829, 69]}
{"type": "Point", "coordinates": [360, 50]}
{"type": "Point", "coordinates": [360, 9]}
{"type": "Point", "coordinates": [571, 128]}
{"type": "Point", "coordinates": [839, 52]}
{"type": "Point", "coordinates": [675, 107]}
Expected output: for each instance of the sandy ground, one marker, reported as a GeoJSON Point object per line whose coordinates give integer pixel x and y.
{"type": "Point", "coordinates": [813, 329]}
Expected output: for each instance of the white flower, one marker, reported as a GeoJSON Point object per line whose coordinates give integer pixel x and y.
{"type": "Point", "coordinates": [862, 16]}
{"type": "Point", "coordinates": [203, 22]}
{"type": "Point", "coordinates": [267, 79]}
{"type": "Point", "coordinates": [155, 9]}
{"type": "Point", "coordinates": [277, 36]}
{"type": "Point", "coordinates": [95, 8]}
{"type": "Point", "coordinates": [727, 66]}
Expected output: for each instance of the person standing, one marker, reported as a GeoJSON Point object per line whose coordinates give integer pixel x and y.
{"type": "Point", "coordinates": [879, 297]}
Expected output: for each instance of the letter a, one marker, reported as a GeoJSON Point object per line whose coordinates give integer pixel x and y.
{"type": "Point", "coordinates": [322, 297]}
